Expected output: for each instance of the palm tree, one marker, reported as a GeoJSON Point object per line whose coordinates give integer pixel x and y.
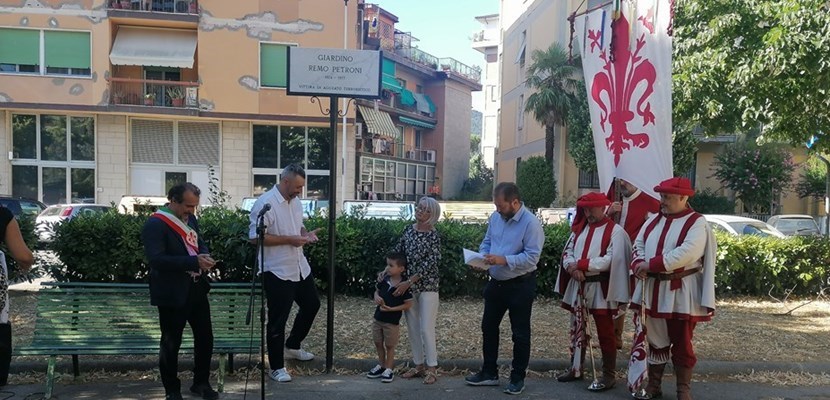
{"type": "Point", "coordinates": [553, 77]}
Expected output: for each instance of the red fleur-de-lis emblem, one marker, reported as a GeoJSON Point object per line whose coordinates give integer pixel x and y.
{"type": "Point", "coordinates": [614, 87]}
{"type": "Point", "coordinates": [648, 20]}
{"type": "Point", "coordinates": [594, 37]}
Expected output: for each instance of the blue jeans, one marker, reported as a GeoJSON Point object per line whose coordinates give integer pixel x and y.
{"type": "Point", "coordinates": [516, 296]}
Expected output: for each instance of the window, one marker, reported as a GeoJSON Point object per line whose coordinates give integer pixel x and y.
{"type": "Point", "coordinates": [172, 179]}
{"type": "Point", "coordinates": [24, 56]}
{"type": "Point", "coordinates": [520, 56]}
{"type": "Point", "coordinates": [53, 158]}
{"type": "Point", "coordinates": [401, 83]}
{"type": "Point", "coordinates": [62, 52]}
{"type": "Point", "coordinates": [419, 89]}
{"type": "Point", "coordinates": [275, 147]}
{"type": "Point", "coordinates": [418, 138]}
{"type": "Point", "coordinates": [273, 65]}
{"type": "Point", "coordinates": [394, 180]}
{"type": "Point", "coordinates": [588, 180]}
{"type": "Point", "coordinates": [520, 113]}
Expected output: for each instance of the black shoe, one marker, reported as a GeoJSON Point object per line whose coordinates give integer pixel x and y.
{"type": "Point", "coordinates": [482, 379]}
{"type": "Point", "coordinates": [516, 387]}
{"type": "Point", "coordinates": [375, 372]}
{"type": "Point", "coordinates": [205, 391]}
{"type": "Point", "coordinates": [173, 396]}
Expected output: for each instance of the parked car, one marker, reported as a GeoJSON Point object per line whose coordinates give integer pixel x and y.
{"type": "Point", "coordinates": [737, 226]}
{"type": "Point", "coordinates": [53, 215]}
{"type": "Point", "coordinates": [21, 205]}
{"type": "Point", "coordinates": [132, 204]}
{"type": "Point", "coordinates": [795, 225]}
{"type": "Point", "coordinates": [380, 209]}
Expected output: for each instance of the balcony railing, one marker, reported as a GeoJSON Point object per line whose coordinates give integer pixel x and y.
{"type": "Point", "coordinates": [153, 93]}
{"type": "Point", "coordinates": [453, 65]}
{"type": "Point", "coordinates": [390, 148]}
{"type": "Point", "coordinates": [165, 6]}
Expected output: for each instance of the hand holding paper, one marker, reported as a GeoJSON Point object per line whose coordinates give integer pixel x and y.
{"type": "Point", "coordinates": [475, 260]}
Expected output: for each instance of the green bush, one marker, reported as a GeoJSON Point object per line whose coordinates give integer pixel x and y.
{"type": "Point", "coordinates": [536, 182]}
{"type": "Point", "coordinates": [708, 202]}
{"type": "Point", "coordinates": [107, 248]}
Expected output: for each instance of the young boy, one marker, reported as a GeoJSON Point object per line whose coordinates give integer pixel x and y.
{"type": "Point", "coordinates": [385, 327]}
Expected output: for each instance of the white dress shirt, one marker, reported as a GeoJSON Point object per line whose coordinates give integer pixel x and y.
{"type": "Point", "coordinates": [285, 218]}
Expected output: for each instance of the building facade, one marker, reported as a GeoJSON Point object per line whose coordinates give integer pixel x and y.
{"type": "Point", "coordinates": [411, 140]}
{"type": "Point", "coordinates": [488, 42]}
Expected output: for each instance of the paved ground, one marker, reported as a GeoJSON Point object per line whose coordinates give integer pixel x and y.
{"type": "Point", "coordinates": [447, 388]}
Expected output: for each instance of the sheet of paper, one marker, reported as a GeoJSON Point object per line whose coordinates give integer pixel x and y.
{"type": "Point", "coordinates": [475, 259]}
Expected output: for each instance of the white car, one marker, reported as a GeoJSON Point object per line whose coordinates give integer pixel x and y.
{"type": "Point", "coordinates": [795, 225]}
{"type": "Point", "coordinates": [737, 226]}
{"type": "Point", "coordinates": [53, 215]}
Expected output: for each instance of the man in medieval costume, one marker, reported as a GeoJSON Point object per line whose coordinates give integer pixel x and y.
{"type": "Point", "coordinates": [674, 261]}
{"type": "Point", "coordinates": [630, 208]}
{"type": "Point", "coordinates": [593, 279]}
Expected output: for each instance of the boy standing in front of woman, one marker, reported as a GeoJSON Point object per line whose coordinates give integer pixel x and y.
{"type": "Point", "coordinates": [386, 325]}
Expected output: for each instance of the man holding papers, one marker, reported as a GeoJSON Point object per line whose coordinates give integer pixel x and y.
{"type": "Point", "coordinates": [510, 249]}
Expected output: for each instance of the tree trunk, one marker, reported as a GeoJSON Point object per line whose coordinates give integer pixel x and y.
{"type": "Point", "coordinates": [550, 136]}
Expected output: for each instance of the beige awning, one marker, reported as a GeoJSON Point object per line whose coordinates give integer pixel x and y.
{"type": "Point", "coordinates": [378, 122]}
{"type": "Point", "coordinates": [154, 47]}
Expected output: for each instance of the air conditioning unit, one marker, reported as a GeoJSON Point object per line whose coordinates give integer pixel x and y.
{"type": "Point", "coordinates": [410, 154]}
{"type": "Point", "coordinates": [430, 155]}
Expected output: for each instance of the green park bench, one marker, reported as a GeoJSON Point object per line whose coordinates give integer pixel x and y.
{"type": "Point", "coordinates": [117, 319]}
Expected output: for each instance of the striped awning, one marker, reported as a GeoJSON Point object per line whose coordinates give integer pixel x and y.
{"type": "Point", "coordinates": [378, 122]}
{"type": "Point", "coordinates": [416, 123]}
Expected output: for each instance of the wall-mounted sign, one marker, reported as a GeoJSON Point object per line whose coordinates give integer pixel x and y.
{"type": "Point", "coordinates": [334, 72]}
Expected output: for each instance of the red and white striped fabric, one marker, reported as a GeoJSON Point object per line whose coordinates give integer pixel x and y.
{"type": "Point", "coordinates": [637, 365]}
{"type": "Point", "coordinates": [671, 244]}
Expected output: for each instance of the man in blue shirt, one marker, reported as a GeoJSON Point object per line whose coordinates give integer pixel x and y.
{"type": "Point", "coordinates": [511, 248]}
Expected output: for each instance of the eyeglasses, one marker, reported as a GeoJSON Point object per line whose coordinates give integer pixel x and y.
{"type": "Point", "coordinates": [422, 210]}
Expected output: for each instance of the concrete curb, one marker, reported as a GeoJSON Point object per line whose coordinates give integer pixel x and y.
{"type": "Point", "coordinates": [64, 365]}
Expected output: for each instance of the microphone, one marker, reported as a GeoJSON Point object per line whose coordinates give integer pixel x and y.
{"type": "Point", "coordinates": [265, 208]}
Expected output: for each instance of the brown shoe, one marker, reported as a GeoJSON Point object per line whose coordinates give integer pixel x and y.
{"type": "Point", "coordinates": [655, 380]}
{"type": "Point", "coordinates": [609, 366]}
{"type": "Point", "coordinates": [684, 380]}
{"type": "Point", "coordinates": [417, 371]}
{"type": "Point", "coordinates": [570, 376]}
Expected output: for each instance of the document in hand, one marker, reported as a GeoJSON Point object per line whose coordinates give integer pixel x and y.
{"type": "Point", "coordinates": [475, 259]}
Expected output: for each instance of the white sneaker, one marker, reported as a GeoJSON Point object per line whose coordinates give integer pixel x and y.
{"type": "Point", "coordinates": [298, 354]}
{"type": "Point", "coordinates": [279, 375]}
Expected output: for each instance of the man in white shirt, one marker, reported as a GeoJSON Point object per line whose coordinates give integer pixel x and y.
{"type": "Point", "coordinates": [288, 276]}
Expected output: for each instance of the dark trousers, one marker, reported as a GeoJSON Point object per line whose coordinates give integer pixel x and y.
{"type": "Point", "coordinates": [515, 297]}
{"type": "Point", "coordinates": [196, 312]}
{"type": "Point", "coordinates": [281, 296]}
{"type": "Point", "coordinates": [5, 352]}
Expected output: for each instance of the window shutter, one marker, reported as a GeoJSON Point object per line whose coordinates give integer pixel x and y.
{"type": "Point", "coordinates": [198, 143]}
{"type": "Point", "coordinates": [67, 49]}
{"type": "Point", "coordinates": [273, 60]}
{"type": "Point", "coordinates": [152, 141]}
{"type": "Point", "coordinates": [19, 46]}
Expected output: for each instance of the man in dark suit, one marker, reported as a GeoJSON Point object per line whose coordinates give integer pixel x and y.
{"type": "Point", "coordinates": [178, 287]}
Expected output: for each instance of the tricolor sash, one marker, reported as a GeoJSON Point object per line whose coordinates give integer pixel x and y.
{"type": "Point", "coordinates": [188, 234]}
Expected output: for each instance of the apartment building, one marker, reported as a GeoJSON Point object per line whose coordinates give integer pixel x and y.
{"type": "Point", "coordinates": [488, 42]}
{"type": "Point", "coordinates": [415, 140]}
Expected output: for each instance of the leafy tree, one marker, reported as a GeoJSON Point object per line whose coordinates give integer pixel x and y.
{"type": "Point", "coordinates": [553, 78]}
{"type": "Point", "coordinates": [707, 201]}
{"type": "Point", "coordinates": [757, 174]}
{"type": "Point", "coordinates": [479, 184]}
{"type": "Point", "coordinates": [536, 182]}
{"type": "Point", "coordinates": [744, 64]}
{"type": "Point", "coordinates": [684, 148]}
{"type": "Point", "coordinates": [812, 181]}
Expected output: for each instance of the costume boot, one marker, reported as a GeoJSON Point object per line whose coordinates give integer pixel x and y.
{"type": "Point", "coordinates": [570, 375]}
{"type": "Point", "coordinates": [609, 364]}
{"type": "Point", "coordinates": [684, 380]}
{"type": "Point", "coordinates": [655, 380]}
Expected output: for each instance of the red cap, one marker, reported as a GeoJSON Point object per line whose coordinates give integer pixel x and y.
{"type": "Point", "coordinates": [676, 185]}
{"type": "Point", "coordinates": [593, 199]}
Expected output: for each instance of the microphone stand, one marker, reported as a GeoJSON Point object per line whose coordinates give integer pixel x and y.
{"type": "Point", "coordinates": [260, 231]}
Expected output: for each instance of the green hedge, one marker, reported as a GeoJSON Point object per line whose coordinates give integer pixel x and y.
{"type": "Point", "coordinates": [107, 248]}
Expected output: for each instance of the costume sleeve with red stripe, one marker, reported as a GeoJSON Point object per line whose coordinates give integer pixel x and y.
{"type": "Point", "coordinates": [687, 253]}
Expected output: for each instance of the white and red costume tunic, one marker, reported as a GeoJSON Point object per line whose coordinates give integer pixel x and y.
{"type": "Point", "coordinates": [601, 250]}
{"type": "Point", "coordinates": [635, 210]}
{"type": "Point", "coordinates": [680, 251]}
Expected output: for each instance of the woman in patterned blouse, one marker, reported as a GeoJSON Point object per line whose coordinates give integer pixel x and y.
{"type": "Point", "coordinates": [422, 246]}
